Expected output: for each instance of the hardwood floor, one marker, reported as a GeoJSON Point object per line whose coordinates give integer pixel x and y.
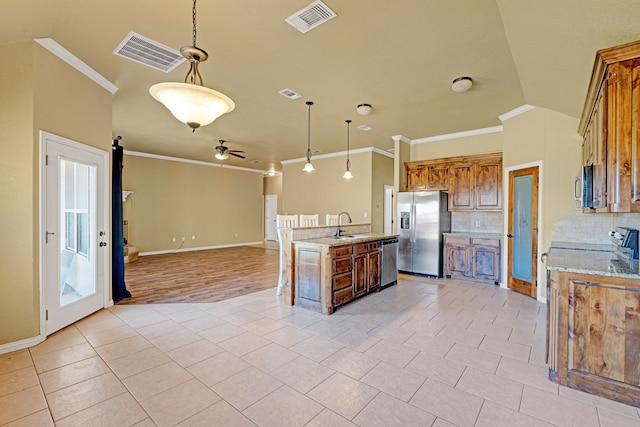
{"type": "Point", "coordinates": [201, 276]}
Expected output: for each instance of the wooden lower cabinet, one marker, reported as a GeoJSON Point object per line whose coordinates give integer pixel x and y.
{"type": "Point", "coordinates": [593, 334]}
{"type": "Point", "coordinates": [472, 258]}
{"type": "Point", "coordinates": [328, 277]}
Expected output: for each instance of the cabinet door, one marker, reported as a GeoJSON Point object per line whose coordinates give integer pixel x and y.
{"type": "Point", "coordinates": [594, 154]}
{"type": "Point", "coordinates": [359, 275]}
{"type": "Point", "coordinates": [486, 262]}
{"type": "Point", "coordinates": [373, 271]}
{"type": "Point", "coordinates": [416, 177]}
{"type": "Point", "coordinates": [635, 135]}
{"type": "Point", "coordinates": [488, 185]}
{"type": "Point", "coordinates": [617, 91]}
{"type": "Point", "coordinates": [461, 185]}
{"type": "Point", "coordinates": [437, 177]}
{"type": "Point", "coordinates": [458, 260]}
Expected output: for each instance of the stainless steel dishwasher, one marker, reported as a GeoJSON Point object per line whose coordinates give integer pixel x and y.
{"type": "Point", "coordinates": [389, 253]}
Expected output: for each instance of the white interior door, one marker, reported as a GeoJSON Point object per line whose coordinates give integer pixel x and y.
{"type": "Point", "coordinates": [75, 234]}
{"type": "Point", "coordinates": [270, 216]}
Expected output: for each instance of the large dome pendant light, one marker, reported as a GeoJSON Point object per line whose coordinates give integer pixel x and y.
{"type": "Point", "coordinates": [191, 102]}
{"type": "Point", "coordinates": [308, 167]}
{"type": "Point", "coordinates": [347, 174]}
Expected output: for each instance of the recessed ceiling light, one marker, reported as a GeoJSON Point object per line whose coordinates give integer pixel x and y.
{"type": "Point", "coordinates": [365, 128]}
{"type": "Point", "coordinates": [255, 162]}
{"type": "Point", "coordinates": [316, 151]}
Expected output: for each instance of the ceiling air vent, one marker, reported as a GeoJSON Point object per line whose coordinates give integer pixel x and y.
{"type": "Point", "coordinates": [365, 128]}
{"type": "Point", "coordinates": [290, 94]}
{"type": "Point", "coordinates": [311, 16]}
{"type": "Point", "coordinates": [148, 52]}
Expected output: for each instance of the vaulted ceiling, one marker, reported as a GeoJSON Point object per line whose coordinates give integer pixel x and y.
{"type": "Point", "coordinates": [399, 56]}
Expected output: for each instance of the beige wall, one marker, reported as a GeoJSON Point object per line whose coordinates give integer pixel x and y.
{"type": "Point", "coordinates": [324, 191]}
{"type": "Point", "coordinates": [39, 92]}
{"type": "Point", "coordinates": [220, 206]}
{"type": "Point", "coordinates": [475, 144]}
{"type": "Point", "coordinates": [273, 186]}
{"type": "Point", "coordinates": [382, 174]}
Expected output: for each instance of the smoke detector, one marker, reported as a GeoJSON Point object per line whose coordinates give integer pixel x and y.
{"type": "Point", "coordinates": [310, 17]}
{"type": "Point", "coordinates": [290, 94]}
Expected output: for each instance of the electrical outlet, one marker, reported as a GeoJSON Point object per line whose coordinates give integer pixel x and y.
{"type": "Point", "coordinates": [236, 234]}
{"type": "Point", "coordinates": [477, 223]}
{"type": "Point", "coordinates": [173, 239]}
{"type": "Point", "coordinates": [193, 237]}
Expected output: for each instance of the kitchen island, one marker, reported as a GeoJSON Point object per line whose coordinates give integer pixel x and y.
{"type": "Point", "coordinates": [331, 271]}
{"type": "Point", "coordinates": [593, 321]}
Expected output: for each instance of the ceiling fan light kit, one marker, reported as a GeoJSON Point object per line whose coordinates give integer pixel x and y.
{"type": "Point", "coordinates": [462, 84]}
{"type": "Point", "coordinates": [223, 151]}
{"type": "Point", "coordinates": [191, 102]}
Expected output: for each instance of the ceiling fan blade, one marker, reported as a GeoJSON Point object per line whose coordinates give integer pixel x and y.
{"type": "Point", "coordinates": [236, 151]}
{"type": "Point", "coordinates": [237, 155]}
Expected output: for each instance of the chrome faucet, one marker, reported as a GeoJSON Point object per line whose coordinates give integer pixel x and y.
{"type": "Point", "coordinates": [338, 231]}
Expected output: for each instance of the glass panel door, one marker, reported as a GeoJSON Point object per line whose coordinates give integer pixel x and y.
{"type": "Point", "coordinates": [522, 229]}
{"type": "Point", "coordinates": [75, 240]}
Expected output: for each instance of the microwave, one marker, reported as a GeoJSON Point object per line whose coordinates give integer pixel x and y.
{"type": "Point", "coordinates": [583, 192]}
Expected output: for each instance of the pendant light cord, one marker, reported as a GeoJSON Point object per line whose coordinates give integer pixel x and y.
{"type": "Point", "coordinates": [348, 161]}
{"type": "Point", "coordinates": [309, 103]}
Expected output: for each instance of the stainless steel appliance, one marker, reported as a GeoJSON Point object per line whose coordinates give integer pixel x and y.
{"type": "Point", "coordinates": [422, 218]}
{"type": "Point", "coordinates": [389, 275]}
{"type": "Point", "coordinates": [626, 242]}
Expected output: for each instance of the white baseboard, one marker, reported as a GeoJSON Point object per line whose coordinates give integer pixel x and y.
{"type": "Point", "coordinates": [22, 344]}
{"type": "Point", "coordinates": [201, 248]}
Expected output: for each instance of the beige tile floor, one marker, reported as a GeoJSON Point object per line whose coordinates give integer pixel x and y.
{"type": "Point", "coordinates": [422, 353]}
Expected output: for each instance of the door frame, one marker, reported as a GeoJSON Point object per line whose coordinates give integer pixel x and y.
{"type": "Point", "coordinates": [107, 300]}
{"type": "Point", "coordinates": [541, 292]}
{"type": "Point", "coordinates": [388, 206]}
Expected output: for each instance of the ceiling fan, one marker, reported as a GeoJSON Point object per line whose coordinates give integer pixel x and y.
{"type": "Point", "coordinates": [223, 152]}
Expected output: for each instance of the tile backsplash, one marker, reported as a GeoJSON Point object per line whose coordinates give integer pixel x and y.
{"type": "Point", "coordinates": [476, 221]}
{"type": "Point", "coordinates": [579, 227]}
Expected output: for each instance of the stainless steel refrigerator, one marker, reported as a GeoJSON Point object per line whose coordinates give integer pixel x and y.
{"type": "Point", "coordinates": [422, 218]}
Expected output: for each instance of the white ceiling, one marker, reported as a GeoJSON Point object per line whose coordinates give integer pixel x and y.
{"type": "Point", "coordinates": [399, 56]}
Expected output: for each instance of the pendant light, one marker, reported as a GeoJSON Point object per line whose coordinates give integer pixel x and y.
{"type": "Point", "coordinates": [308, 167]}
{"type": "Point", "coordinates": [347, 174]}
{"type": "Point", "coordinates": [191, 102]}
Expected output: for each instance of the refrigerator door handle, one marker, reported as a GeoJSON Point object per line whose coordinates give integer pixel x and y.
{"type": "Point", "coordinates": [412, 223]}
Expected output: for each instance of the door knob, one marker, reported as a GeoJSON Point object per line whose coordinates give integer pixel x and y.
{"type": "Point", "coordinates": [510, 235]}
{"type": "Point", "coordinates": [103, 244]}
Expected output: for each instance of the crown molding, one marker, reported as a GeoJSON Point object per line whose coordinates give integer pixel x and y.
{"type": "Point", "coordinates": [515, 112]}
{"type": "Point", "coordinates": [339, 154]}
{"type": "Point", "coordinates": [54, 47]}
{"type": "Point", "coordinates": [455, 135]}
{"type": "Point", "coordinates": [194, 162]}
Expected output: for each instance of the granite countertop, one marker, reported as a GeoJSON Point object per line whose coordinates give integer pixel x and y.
{"type": "Point", "coordinates": [591, 259]}
{"type": "Point", "coordinates": [349, 239]}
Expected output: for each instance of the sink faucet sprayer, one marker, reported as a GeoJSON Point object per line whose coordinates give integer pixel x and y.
{"type": "Point", "coordinates": [338, 231]}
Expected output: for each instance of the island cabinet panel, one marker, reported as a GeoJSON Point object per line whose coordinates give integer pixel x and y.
{"type": "Point", "coordinates": [327, 277]}
{"type": "Point", "coordinates": [594, 334]}
{"type": "Point", "coordinates": [308, 277]}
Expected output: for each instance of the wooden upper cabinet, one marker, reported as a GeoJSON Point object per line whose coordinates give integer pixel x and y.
{"type": "Point", "coordinates": [473, 182]}
{"type": "Point", "coordinates": [461, 187]}
{"type": "Point", "coordinates": [488, 184]}
{"type": "Point", "coordinates": [416, 177]}
{"type": "Point", "coordinates": [609, 127]}
{"type": "Point", "coordinates": [437, 176]}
